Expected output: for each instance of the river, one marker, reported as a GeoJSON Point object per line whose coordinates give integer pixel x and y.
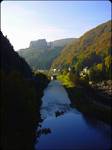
{"type": "Point", "coordinates": [65, 128]}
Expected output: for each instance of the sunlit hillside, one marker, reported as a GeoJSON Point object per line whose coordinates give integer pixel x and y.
{"type": "Point", "coordinates": [93, 47]}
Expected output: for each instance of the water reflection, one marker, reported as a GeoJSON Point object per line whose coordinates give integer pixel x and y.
{"type": "Point", "coordinates": [44, 131]}
{"type": "Point", "coordinates": [66, 128]}
{"type": "Point", "coordinates": [104, 128]}
{"type": "Point", "coordinates": [55, 100]}
{"type": "Point", "coordinates": [59, 113]}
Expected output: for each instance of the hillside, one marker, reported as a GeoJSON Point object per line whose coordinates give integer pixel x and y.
{"type": "Point", "coordinates": [91, 48]}
{"type": "Point", "coordinates": [21, 94]}
{"type": "Point", "coordinates": [41, 53]}
{"type": "Point", "coordinates": [10, 60]}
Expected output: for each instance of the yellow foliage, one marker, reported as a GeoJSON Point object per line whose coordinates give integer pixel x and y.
{"type": "Point", "coordinates": [99, 67]}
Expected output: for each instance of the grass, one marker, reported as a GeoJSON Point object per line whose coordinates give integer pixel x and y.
{"type": "Point", "coordinates": [65, 80]}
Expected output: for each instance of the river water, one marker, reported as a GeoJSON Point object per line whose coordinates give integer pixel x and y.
{"type": "Point", "coordinates": [65, 128]}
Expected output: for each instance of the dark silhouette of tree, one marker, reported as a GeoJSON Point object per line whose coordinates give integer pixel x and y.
{"type": "Point", "coordinates": [10, 60]}
{"type": "Point", "coordinates": [20, 99]}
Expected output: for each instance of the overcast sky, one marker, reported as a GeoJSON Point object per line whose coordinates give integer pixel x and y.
{"type": "Point", "coordinates": [25, 21]}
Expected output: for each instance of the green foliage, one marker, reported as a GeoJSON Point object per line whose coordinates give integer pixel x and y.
{"type": "Point", "coordinates": [39, 57]}
{"type": "Point", "coordinates": [74, 78]}
{"type": "Point", "coordinates": [96, 73]}
{"type": "Point", "coordinates": [108, 62]}
{"type": "Point", "coordinates": [101, 71]}
{"type": "Point", "coordinates": [65, 80]}
{"type": "Point", "coordinates": [108, 66]}
{"type": "Point", "coordinates": [78, 67]}
{"type": "Point", "coordinates": [99, 67]}
{"type": "Point", "coordinates": [92, 50]}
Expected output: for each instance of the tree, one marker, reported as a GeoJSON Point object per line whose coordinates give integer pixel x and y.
{"type": "Point", "coordinates": [108, 66]}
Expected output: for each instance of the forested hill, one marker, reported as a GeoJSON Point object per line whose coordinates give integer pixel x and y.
{"type": "Point", "coordinates": [94, 47]}
{"type": "Point", "coordinates": [21, 94]}
{"type": "Point", "coordinates": [40, 54]}
{"type": "Point", "coordinates": [10, 60]}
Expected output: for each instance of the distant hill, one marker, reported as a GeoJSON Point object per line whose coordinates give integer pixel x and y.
{"type": "Point", "coordinates": [62, 42]}
{"type": "Point", "coordinates": [91, 48]}
{"type": "Point", "coordinates": [39, 44]}
{"type": "Point", "coordinates": [40, 54]}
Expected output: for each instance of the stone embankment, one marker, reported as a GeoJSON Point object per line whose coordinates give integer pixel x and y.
{"type": "Point", "coordinates": [104, 88]}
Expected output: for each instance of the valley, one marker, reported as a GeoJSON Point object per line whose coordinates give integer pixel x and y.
{"type": "Point", "coordinates": [41, 53]}
{"type": "Point", "coordinates": [56, 93]}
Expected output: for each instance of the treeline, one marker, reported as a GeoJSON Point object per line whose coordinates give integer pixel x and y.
{"type": "Point", "coordinates": [21, 93]}
{"type": "Point", "coordinates": [36, 54]}
{"type": "Point", "coordinates": [37, 59]}
{"type": "Point", "coordinates": [98, 71]}
{"type": "Point", "coordinates": [93, 52]}
{"type": "Point", "coordinates": [90, 91]}
{"type": "Point", "coordinates": [85, 69]}
{"type": "Point", "coordinates": [10, 60]}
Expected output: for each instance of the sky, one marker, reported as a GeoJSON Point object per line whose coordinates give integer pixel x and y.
{"type": "Point", "coordinates": [25, 21]}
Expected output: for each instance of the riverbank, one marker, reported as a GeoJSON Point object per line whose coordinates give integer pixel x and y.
{"type": "Point", "coordinates": [91, 101]}
{"type": "Point", "coordinates": [104, 88]}
{"type": "Point", "coordinates": [20, 110]}
{"type": "Point", "coordinates": [40, 82]}
{"type": "Point", "coordinates": [63, 126]}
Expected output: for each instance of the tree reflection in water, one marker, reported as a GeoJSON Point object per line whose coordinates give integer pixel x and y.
{"type": "Point", "coordinates": [44, 131]}
{"type": "Point", "coordinates": [59, 113]}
